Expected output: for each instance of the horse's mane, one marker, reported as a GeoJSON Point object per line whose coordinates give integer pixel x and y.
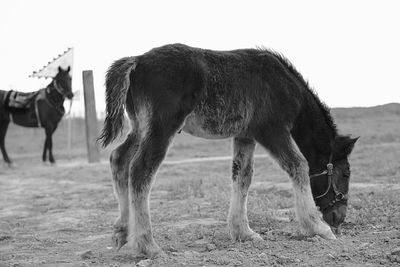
{"type": "Point", "coordinates": [325, 110]}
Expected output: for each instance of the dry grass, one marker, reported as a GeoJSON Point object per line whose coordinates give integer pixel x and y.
{"type": "Point", "coordinates": [51, 215]}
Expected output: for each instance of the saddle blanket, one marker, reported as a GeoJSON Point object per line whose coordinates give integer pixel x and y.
{"type": "Point", "coordinates": [20, 100]}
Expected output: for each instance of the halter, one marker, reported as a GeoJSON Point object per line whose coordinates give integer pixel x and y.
{"type": "Point", "coordinates": [58, 88]}
{"type": "Point", "coordinates": [49, 99]}
{"type": "Point", "coordinates": [339, 196]}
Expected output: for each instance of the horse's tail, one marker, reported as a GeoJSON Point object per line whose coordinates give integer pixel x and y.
{"type": "Point", "coordinates": [117, 85]}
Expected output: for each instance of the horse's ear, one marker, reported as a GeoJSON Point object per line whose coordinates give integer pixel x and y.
{"type": "Point", "coordinates": [69, 68]}
{"type": "Point", "coordinates": [59, 69]}
{"type": "Point", "coordinates": [343, 146]}
{"type": "Point", "coordinates": [350, 145]}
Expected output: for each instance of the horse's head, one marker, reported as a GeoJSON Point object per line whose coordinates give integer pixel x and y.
{"type": "Point", "coordinates": [63, 82]}
{"type": "Point", "coordinates": [330, 188]}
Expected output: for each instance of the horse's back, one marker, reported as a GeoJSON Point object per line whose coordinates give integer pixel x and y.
{"type": "Point", "coordinates": [221, 91]}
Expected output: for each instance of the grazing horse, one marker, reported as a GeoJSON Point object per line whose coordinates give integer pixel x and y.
{"type": "Point", "coordinates": [43, 109]}
{"type": "Point", "coordinates": [250, 95]}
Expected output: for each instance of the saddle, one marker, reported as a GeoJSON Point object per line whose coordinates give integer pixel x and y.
{"type": "Point", "coordinates": [20, 100]}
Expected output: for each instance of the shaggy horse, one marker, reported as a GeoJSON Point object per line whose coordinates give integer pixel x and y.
{"type": "Point", "coordinates": [250, 95]}
{"type": "Point", "coordinates": [43, 109]}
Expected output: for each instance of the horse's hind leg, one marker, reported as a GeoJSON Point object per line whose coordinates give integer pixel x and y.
{"type": "Point", "coordinates": [156, 133]}
{"type": "Point", "coordinates": [120, 159]}
{"type": "Point", "coordinates": [48, 143]}
{"type": "Point", "coordinates": [3, 130]}
{"type": "Point", "coordinates": [242, 171]}
{"type": "Point", "coordinates": [284, 149]}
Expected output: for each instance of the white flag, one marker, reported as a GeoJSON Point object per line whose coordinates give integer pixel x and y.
{"type": "Point", "coordinates": [50, 70]}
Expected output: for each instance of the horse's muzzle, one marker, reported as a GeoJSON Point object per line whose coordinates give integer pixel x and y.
{"type": "Point", "coordinates": [70, 95]}
{"type": "Point", "coordinates": [335, 216]}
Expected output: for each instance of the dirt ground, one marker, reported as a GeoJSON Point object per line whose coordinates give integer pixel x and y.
{"type": "Point", "coordinates": [62, 215]}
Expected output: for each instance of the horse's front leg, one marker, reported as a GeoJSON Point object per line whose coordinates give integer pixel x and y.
{"type": "Point", "coordinates": [50, 145]}
{"type": "Point", "coordinates": [284, 149]}
{"type": "Point", "coordinates": [44, 155]}
{"type": "Point", "coordinates": [242, 171]}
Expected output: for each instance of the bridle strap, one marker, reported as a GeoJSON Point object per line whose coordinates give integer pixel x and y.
{"type": "Point", "coordinates": [329, 172]}
{"type": "Point", "coordinates": [58, 88]}
{"type": "Point", "coordinates": [49, 98]}
{"type": "Point", "coordinates": [329, 169]}
{"type": "Point", "coordinates": [339, 196]}
{"type": "Point", "coordinates": [319, 174]}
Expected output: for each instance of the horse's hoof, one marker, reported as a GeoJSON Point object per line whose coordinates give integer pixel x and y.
{"type": "Point", "coordinates": [325, 232]}
{"type": "Point", "coordinates": [156, 253]}
{"type": "Point", "coordinates": [12, 165]}
{"type": "Point", "coordinates": [144, 245]}
{"type": "Point", "coordinates": [119, 238]}
{"type": "Point", "coordinates": [248, 235]}
{"type": "Point", "coordinates": [328, 235]}
{"type": "Point", "coordinates": [259, 242]}
{"type": "Point", "coordinates": [151, 251]}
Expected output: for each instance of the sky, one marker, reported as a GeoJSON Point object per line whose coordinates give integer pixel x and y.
{"type": "Point", "coordinates": [349, 51]}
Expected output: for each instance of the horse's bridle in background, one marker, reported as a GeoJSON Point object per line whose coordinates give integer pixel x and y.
{"type": "Point", "coordinates": [339, 196]}
{"type": "Point", "coordinates": [58, 88]}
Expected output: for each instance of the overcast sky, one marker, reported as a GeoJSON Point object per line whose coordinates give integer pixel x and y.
{"type": "Point", "coordinates": [348, 50]}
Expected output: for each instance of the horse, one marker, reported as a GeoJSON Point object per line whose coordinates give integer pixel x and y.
{"type": "Point", "coordinates": [43, 108]}
{"type": "Point", "coordinates": [249, 95]}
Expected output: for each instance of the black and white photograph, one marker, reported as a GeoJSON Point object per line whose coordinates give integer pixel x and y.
{"type": "Point", "coordinates": [199, 133]}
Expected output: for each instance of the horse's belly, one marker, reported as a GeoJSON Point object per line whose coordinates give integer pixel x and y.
{"type": "Point", "coordinates": [212, 127]}
{"type": "Point", "coordinates": [27, 119]}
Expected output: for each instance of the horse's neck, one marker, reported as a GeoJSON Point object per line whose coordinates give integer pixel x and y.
{"type": "Point", "coordinates": [54, 96]}
{"type": "Point", "coordinates": [313, 135]}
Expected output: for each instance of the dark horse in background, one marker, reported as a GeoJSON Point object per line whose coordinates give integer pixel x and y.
{"type": "Point", "coordinates": [43, 108]}
{"type": "Point", "coordinates": [250, 95]}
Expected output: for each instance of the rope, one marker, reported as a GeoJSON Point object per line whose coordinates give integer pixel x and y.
{"type": "Point", "coordinates": [70, 106]}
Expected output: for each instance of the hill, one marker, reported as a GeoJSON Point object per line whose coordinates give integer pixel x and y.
{"type": "Point", "coordinates": [379, 124]}
{"type": "Point", "coordinates": [391, 109]}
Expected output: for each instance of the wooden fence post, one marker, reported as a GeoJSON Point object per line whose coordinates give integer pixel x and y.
{"type": "Point", "coordinates": [90, 117]}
